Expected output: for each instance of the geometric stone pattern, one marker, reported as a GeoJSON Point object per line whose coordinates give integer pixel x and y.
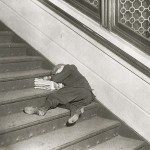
{"type": "Point", "coordinates": [135, 14]}
{"type": "Point", "coordinates": [93, 3]}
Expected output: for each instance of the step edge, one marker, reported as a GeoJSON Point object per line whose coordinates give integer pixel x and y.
{"type": "Point", "coordinates": [5, 60]}
{"type": "Point", "coordinates": [12, 45]}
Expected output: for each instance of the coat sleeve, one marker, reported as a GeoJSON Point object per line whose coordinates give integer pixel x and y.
{"type": "Point", "coordinates": [59, 78]}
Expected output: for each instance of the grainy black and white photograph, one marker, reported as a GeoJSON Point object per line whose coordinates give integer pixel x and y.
{"type": "Point", "coordinates": [74, 74]}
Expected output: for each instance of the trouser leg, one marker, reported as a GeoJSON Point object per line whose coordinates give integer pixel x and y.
{"type": "Point", "coordinates": [50, 103]}
{"type": "Point", "coordinates": [77, 105]}
{"type": "Point", "coordinates": [76, 109]}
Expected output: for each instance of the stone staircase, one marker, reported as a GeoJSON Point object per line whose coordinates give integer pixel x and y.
{"type": "Point", "coordinates": [18, 131]}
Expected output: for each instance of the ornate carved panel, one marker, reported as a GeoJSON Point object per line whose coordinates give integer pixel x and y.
{"type": "Point", "coordinates": [90, 7]}
{"type": "Point", "coordinates": [135, 14]}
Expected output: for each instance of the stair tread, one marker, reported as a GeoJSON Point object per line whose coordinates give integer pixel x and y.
{"type": "Point", "coordinates": [19, 59]}
{"type": "Point", "coordinates": [13, 45]}
{"type": "Point", "coordinates": [23, 74]}
{"type": "Point", "coordinates": [19, 120]}
{"type": "Point", "coordinates": [59, 138]}
{"type": "Point", "coordinates": [19, 95]}
{"type": "Point", "coordinates": [10, 123]}
{"type": "Point", "coordinates": [119, 143]}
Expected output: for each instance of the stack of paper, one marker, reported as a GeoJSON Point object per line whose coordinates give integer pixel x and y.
{"type": "Point", "coordinates": [42, 83]}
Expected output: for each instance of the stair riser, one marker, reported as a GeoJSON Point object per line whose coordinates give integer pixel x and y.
{"type": "Point", "coordinates": [20, 66]}
{"type": "Point", "coordinates": [12, 51]}
{"type": "Point", "coordinates": [40, 128]}
{"type": "Point", "coordinates": [92, 141]}
{"type": "Point", "coordinates": [16, 107]}
{"type": "Point", "coordinates": [5, 38]}
{"type": "Point", "coordinates": [16, 84]}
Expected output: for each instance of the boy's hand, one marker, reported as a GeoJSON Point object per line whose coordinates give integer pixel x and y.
{"type": "Point", "coordinates": [47, 78]}
{"type": "Point", "coordinates": [58, 85]}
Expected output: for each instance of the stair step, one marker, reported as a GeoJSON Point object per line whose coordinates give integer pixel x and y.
{"type": "Point", "coordinates": [21, 126]}
{"type": "Point", "coordinates": [23, 74]}
{"type": "Point", "coordinates": [120, 143]}
{"type": "Point", "coordinates": [69, 136]}
{"type": "Point", "coordinates": [21, 95]}
{"type": "Point", "coordinates": [6, 36]}
{"type": "Point", "coordinates": [20, 79]}
{"type": "Point", "coordinates": [14, 101]}
{"type": "Point", "coordinates": [12, 49]}
{"type": "Point", "coordinates": [19, 63]}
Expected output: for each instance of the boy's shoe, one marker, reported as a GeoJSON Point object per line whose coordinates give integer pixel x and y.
{"type": "Point", "coordinates": [35, 110]}
{"type": "Point", "coordinates": [73, 119]}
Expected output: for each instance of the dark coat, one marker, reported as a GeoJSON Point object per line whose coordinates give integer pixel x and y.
{"type": "Point", "coordinates": [76, 87]}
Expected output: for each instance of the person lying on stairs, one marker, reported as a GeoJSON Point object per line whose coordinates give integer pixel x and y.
{"type": "Point", "coordinates": [74, 95]}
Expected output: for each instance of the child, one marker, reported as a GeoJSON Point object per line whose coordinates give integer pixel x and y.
{"type": "Point", "coordinates": [74, 94]}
